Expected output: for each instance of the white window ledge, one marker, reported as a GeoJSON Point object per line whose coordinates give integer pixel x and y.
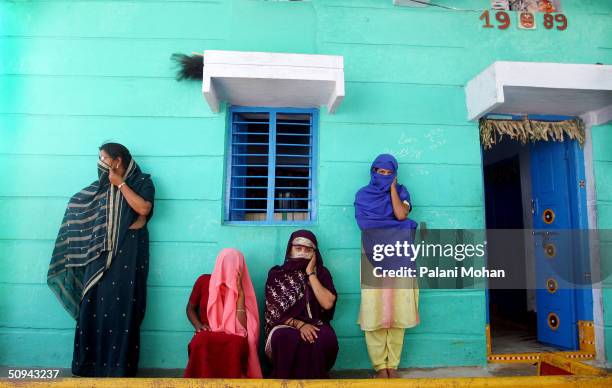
{"type": "Point", "coordinates": [542, 88]}
{"type": "Point", "coordinates": [273, 79]}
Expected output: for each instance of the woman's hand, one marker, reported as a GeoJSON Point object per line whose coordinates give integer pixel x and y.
{"type": "Point", "coordinates": [201, 327]}
{"type": "Point", "coordinates": [136, 202]}
{"type": "Point", "coordinates": [113, 177]}
{"type": "Point", "coordinates": [400, 209]}
{"type": "Point", "coordinates": [308, 332]}
{"type": "Point", "coordinates": [312, 264]}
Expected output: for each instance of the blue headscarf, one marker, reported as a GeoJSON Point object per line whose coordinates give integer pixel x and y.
{"type": "Point", "coordinates": [373, 207]}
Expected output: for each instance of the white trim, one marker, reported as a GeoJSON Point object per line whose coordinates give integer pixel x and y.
{"type": "Point", "coordinates": [598, 117]}
{"type": "Point", "coordinates": [480, 97]}
{"type": "Point", "coordinates": [272, 79]}
{"type": "Point", "coordinates": [542, 88]}
{"type": "Point", "coordinates": [591, 199]}
{"type": "Point", "coordinates": [209, 94]}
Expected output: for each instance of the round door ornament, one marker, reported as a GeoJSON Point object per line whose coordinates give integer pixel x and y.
{"type": "Point", "coordinates": [552, 285]}
{"type": "Point", "coordinates": [550, 250]}
{"type": "Point", "coordinates": [553, 321]}
{"type": "Point", "coordinates": [548, 216]}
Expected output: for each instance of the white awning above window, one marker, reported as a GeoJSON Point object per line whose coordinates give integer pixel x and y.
{"type": "Point", "coordinates": [542, 88]}
{"type": "Point", "coordinates": [273, 79]}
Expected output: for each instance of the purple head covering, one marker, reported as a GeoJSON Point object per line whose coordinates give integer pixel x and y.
{"type": "Point", "coordinates": [373, 206]}
{"type": "Point", "coordinates": [288, 292]}
{"type": "Point", "coordinates": [301, 264]}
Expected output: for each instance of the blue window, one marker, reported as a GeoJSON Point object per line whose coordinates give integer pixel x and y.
{"type": "Point", "coordinates": [271, 165]}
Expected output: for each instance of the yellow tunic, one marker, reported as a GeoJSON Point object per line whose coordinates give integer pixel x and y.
{"type": "Point", "coordinates": [389, 308]}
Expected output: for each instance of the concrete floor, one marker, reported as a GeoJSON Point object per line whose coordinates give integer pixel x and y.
{"type": "Point", "coordinates": [507, 338]}
{"type": "Point", "coordinates": [517, 342]}
{"type": "Point", "coordinates": [491, 370]}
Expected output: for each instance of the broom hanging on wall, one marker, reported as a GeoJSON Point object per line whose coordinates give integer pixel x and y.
{"type": "Point", "coordinates": [189, 66]}
{"type": "Point", "coordinates": [493, 131]}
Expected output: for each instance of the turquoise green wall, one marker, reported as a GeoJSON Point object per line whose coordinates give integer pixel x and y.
{"type": "Point", "coordinates": [602, 168]}
{"type": "Point", "coordinates": [76, 74]}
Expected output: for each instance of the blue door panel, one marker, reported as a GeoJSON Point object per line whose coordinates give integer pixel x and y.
{"type": "Point", "coordinates": [555, 298]}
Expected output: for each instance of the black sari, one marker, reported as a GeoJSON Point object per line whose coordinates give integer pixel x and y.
{"type": "Point", "coordinates": [99, 272]}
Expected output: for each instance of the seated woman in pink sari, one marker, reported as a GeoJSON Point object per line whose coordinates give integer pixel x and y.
{"type": "Point", "coordinates": [223, 311]}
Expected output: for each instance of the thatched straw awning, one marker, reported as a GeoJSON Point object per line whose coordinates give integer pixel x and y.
{"type": "Point", "coordinates": [493, 131]}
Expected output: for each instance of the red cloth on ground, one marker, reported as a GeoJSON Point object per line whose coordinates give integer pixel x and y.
{"type": "Point", "coordinates": [214, 355]}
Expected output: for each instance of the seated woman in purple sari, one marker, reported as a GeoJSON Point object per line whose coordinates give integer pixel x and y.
{"type": "Point", "coordinates": [300, 303]}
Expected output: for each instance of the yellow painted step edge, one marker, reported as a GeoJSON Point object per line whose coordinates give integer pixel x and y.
{"type": "Point", "coordinates": [513, 382]}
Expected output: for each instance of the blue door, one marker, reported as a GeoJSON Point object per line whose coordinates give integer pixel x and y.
{"type": "Point", "coordinates": [552, 217]}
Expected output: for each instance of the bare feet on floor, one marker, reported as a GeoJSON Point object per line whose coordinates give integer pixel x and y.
{"type": "Point", "coordinates": [392, 373]}
{"type": "Point", "coordinates": [382, 374]}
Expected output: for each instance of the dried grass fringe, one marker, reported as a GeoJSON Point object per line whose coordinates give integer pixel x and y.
{"type": "Point", "coordinates": [493, 131]}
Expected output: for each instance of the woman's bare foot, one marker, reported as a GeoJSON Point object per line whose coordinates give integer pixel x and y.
{"type": "Point", "coordinates": [392, 373]}
{"type": "Point", "coordinates": [382, 374]}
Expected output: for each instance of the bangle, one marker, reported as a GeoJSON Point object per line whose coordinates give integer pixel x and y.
{"type": "Point", "coordinates": [312, 273]}
{"type": "Point", "coordinates": [243, 310]}
{"type": "Point", "coordinates": [121, 185]}
{"type": "Point", "coordinates": [302, 325]}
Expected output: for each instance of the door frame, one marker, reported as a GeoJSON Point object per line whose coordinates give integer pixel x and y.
{"type": "Point", "coordinates": [594, 254]}
{"type": "Point", "coordinates": [587, 218]}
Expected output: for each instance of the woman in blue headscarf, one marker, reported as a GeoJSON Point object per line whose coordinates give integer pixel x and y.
{"type": "Point", "coordinates": [385, 312]}
{"type": "Point", "coordinates": [383, 203]}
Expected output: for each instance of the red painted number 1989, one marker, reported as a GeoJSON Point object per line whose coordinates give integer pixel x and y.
{"type": "Point", "coordinates": [558, 21]}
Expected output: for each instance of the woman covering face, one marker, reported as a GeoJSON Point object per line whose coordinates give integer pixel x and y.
{"type": "Point", "coordinates": [300, 303]}
{"type": "Point", "coordinates": [100, 264]}
{"type": "Point", "coordinates": [223, 311]}
{"type": "Point", "coordinates": [383, 203]}
{"type": "Point", "coordinates": [385, 312]}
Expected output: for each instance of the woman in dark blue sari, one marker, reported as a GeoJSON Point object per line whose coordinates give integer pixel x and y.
{"type": "Point", "coordinates": [100, 264]}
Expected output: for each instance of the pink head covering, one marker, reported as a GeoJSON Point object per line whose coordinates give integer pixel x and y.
{"type": "Point", "coordinates": [222, 313]}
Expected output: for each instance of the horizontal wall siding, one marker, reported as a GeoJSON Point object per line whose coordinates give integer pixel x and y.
{"type": "Point", "coordinates": [602, 166]}
{"type": "Point", "coordinates": [65, 88]}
